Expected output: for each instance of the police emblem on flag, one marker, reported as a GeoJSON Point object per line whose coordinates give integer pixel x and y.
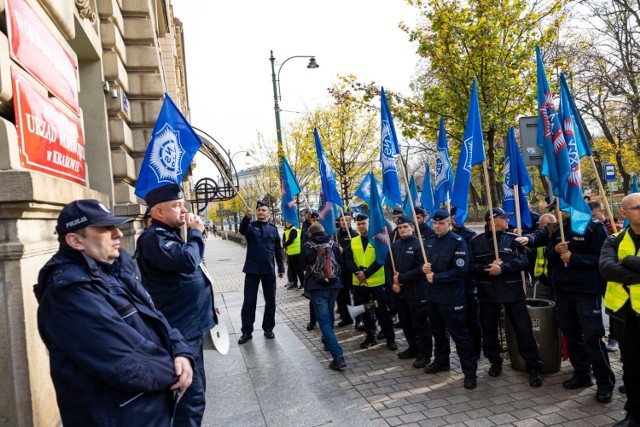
{"type": "Point", "coordinates": [166, 155]}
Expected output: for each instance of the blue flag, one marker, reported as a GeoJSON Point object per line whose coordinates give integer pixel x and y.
{"type": "Point", "coordinates": [388, 150]}
{"type": "Point", "coordinates": [378, 235]}
{"type": "Point", "coordinates": [426, 197]}
{"type": "Point", "coordinates": [364, 190]}
{"type": "Point", "coordinates": [170, 152]}
{"type": "Point", "coordinates": [471, 153]}
{"type": "Point", "coordinates": [550, 135]}
{"type": "Point", "coordinates": [584, 148]}
{"type": "Point", "coordinates": [290, 189]}
{"type": "Point", "coordinates": [579, 209]}
{"type": "Point", "coordinates": [406, 205]}
{"type": "Point", "coordinates": [634, 189]}
{"type": "Point", "coordinates": [327, 177]}
{"type": "Point", "coordinates": [444, 174]}
{"type": "Point", "coordinates": [326, 215]}
{"type": "Point", "coordinates": [515, 173]}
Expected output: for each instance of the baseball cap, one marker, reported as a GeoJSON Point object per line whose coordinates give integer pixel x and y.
{"type": "Point", "coordinates": [85, 213]}
{"type": "Point", "coordinates": [497, 212]}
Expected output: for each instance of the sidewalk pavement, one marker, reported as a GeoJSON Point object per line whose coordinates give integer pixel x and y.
{"type": "Point", "coordinates": [286, 381]}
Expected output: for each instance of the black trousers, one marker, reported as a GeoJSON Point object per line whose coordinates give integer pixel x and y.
{"type": "Point", "coordinates": [248, 313]}
{"type": "Point", "coordinates": [344, 297]}
{"type": "Point", "coordinates": [414, 318]}
{"type": "Point", "coordinates": [628, 332]}
{"type": "Point", "coordinates": [473, 321]}
{"type": "Point", "coordinates": [363, 294]}
{"type": "Point", "coordinates": [453, 319]}
{"type": "Point", "coordinates": [295, 269]}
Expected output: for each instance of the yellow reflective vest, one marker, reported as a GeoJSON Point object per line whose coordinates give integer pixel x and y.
{"type": "Point", "coordinates": [293, 248]}
{"type": "Point", "coordinates": [616, 295]}
{"type": "Point", "coordinates": [541, 263]}
{"type": "Point", "coordinates": [365, 258]}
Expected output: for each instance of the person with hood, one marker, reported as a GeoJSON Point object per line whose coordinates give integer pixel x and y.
{"type": "Point", "coordinates": [323, 294]}
{"type": "Point", "coordinates": [114, 359]}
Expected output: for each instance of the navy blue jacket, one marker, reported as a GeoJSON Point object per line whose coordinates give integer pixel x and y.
{"type": "Point", "coordinates": [449, 262]}
{"type": "Point", "coordinates": [310, 255]}
{"type": "Point", "coordinates": [581, 274]}
{"type": "Point", "coordinates": [110, 351]}
{"type": "Point", "coordinates": [407, 257]}
{"type": "Point", "coordinates": [507, 286]}
{"type": "Point", "coordinates": [263, 246]}
{"type": "Point", "coordinates": [172, 274]}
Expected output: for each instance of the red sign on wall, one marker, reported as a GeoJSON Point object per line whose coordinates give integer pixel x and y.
{"type": "Point", "coordinates": [35, 47]}
{"type": "Point", "coordinates": [50, 140]}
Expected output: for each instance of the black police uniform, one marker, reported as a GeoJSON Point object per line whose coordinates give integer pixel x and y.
{"type": "Point", "coordinates": [446, 298]}
{"type": "Point", "coordinates": [504, 289]}
{"type": "Point", "coordinates": [344, 297]}
{"type": "Point", "coordinates": [578, 286]}
{"type": "Point", "coordinates": [411, 302]}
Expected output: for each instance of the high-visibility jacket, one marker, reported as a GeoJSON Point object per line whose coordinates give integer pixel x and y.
{"type": "Point", "coordinates": [541, 263]}
{"type": "Point", "coordinates": [293, 248]}
{"type": "Point", "coordinates": [365, 258]}
{"type": "Point", "coordinates": [616, 295]}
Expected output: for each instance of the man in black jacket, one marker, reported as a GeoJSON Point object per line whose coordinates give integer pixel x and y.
{"type": "Point", "coordinates": [620, 266]}
{"type": "Point", "coordinates": [345, 234]}
{"type": "Point", "coordinates": [447, 265]}
{"type": "Point", "coordinates": [410, 293]}
{"type": "Point", "coordinates": [573, 266]}
{"type": "Point", "coordinates": [500, 283]}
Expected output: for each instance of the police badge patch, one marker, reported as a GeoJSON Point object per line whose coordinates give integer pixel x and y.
{"type": "Point", "coordinates": [166, 156]}
{"type": "Point", "coordinates": [460, 262]}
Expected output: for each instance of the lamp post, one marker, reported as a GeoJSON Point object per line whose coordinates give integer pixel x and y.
{"type": "Point", "coordinates": [277, 94]}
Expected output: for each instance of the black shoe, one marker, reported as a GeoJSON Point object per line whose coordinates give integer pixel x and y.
{"type": "Point", "coordinates": [434, 367]}
{"type": "Point", "coordinates": [576, 382]}
{"type": "Point", "coordinates": [420, 362]}
{"type": "Point", "coordinates": [495, 369]}
{"type": "Point", "coordinates": [470, 382]}
{"type": "Point", "coordinates": [292, 286]}
{"type": "Point", "coordinates": [380, 335]}
{"type": "Point", "coordinates": [338, 363]}
{"type": "Point", "coordinates": [410, 353]}
{"type": "Point", "coordinates": [534, 378]}
{"type": "Point", "coordinates": [622, 390]}
{"type": "Point", "coordinates": [627, 422]}
{"type": "Point", "coordinates": [393, 346]}
{"type": "Point", "coordinates": [604, 396]}
{"type": "Point", "coordinates": [369, 342]}
{"type": "Point", "coordinates": [311, 326]}
{"type": "Point", "coordinates": [244, 338]}
{"type": "Point", "coordinates": [269, 335]}
{"type": "Point", "coordinates": [345, 323]}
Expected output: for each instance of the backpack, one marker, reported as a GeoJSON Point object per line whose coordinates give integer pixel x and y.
{"type": "Point", "coordinates": [325, 269]}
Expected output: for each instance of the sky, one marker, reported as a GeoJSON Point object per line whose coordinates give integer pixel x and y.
{"type": "Point", "coordinates": [228, 46]}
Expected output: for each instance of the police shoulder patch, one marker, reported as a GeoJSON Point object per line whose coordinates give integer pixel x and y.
{"type": "Point", "coordinates": [460, 262]}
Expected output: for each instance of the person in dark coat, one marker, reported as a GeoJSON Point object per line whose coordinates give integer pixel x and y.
{"type": "Point", "coordinates": [410, 293]}
{"type": "Point", "coordinates": [292, 246]}
{"type": "Point", "coordinates": [421, 220]}
{"type": "Point", "coordinates": [345, 234]}
{"type": "Point", "coordinates": [573, 266]}
{"type": "Point", "coordinates": [174, 274]}
{"type": "Point", "coordinates": [323, 295]}
{"type": "Point", "coordinates": [264, 251]}
{"type": "Point", "coordinates": [113, 357]}
{"type": "Point", "coordinates": [500, 284]}
{"type": "Point", "coordinates": [447, 265]}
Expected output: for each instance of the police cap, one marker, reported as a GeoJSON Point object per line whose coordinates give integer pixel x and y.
{"type": "Point", "coordinates": [440, 214]}
{"type": "Point", "coordinates": [165, 193]}
{"type": "Point", "coordinates": [84, 213]}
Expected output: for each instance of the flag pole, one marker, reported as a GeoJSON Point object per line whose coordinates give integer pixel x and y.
{"type": "Point", "coordinates": [490, 203]}
{"type": "Point", "coordinates": [604, 196]}
{"type": "Point", "coordinates": [516, 197]}
{"type": "Point", "coordinates": [413, 210]}
{"type": "Point", "coordinates": [348, 225]}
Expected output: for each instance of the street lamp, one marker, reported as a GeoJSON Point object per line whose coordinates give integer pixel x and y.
{"type": "Point", "coordinates": [277, 94]}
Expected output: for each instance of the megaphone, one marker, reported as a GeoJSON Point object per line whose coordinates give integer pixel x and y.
{"type": "Point", "coordinates": [357, 310]}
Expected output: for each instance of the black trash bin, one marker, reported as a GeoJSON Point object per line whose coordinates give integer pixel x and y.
{"type": "Point", "coordinates": [545, 332]}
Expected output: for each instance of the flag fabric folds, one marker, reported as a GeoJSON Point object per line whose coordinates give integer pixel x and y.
{"type": "Point", "coordinates": [426, 197]}
{"type": "Point", "coordinates": [413, 191]}
{"type": "Point", "coordinates": [634, 189]}
{"type": "Point", "coordinates": [170, 151]}
{"type": "Point", "coordinates": [326, 215]}
{"type": "Point", "coordinates": [327, 177]}
{"type": "Point", "coordinates": [388, 150]}
{"type": "Point", "coordinates": [584, 148]}
{"type": "Point", "coordinates": [364, 190]}
{"type": "Point", "coordinates": [471, 153]}
{"type": "Point", "coordinates": [444, 174]}
{"type": "Point", "coordinates": [515, 173]}
{"type": "Point", "coordinates": [290, 189]}
{"type": "Point", "coordinates": [378, 235]}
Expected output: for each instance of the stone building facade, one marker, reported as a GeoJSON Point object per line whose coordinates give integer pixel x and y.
{"type": "Point", "coordinates": [81, 85]}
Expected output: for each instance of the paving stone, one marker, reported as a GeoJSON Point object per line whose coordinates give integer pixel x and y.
{"type": "Point", "coordinates": [552, 419]}
{"type": "Point", "coordinates": [456, 418]}
{"type": "Point", "coordinates": [413, 417]}
{"type": "Point", "coordinates": [479, 423]}
{"type": "Point", "coordinates": [502, 419]}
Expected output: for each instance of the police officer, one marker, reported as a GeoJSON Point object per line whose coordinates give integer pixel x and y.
{"type": "Point", "coordinates": [539, 239]}
{"type": "Point", "coordinates": [410, 293]}
{"type": "Point", "coordinates": [500, 283]}
{"type": "Point", "coordinates": [114, 359]}
{"type": "Point", "coordinates": [263, 246]}
{"type": "Point", "coordinates": [471, 289]}
{"type": "Point", "coordinates": [369, 284]}
{"type": "Point", "coordinates": [345, 234]}
{"type": "Point", "coordinates": [292, 245]}
{"type": "Point", "coordinates": [397, 213]}
{"type": "Point", "coordinates": [620, 266]}
{"type": "Point", "coordinates": [421, 220]}
{"type": "Point", "coordinates": [573, 265]}
{"type": "Point", "coordinates": [445, 269]}
{"type": "Point", "coordinates": [173, 273]}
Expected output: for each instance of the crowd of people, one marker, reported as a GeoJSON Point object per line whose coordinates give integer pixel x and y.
{"type": "Point", "coordinates": [138, 359]}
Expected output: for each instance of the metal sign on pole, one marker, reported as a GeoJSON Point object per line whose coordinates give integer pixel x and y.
{"type": "Point", "coordinates": [609, 172]}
